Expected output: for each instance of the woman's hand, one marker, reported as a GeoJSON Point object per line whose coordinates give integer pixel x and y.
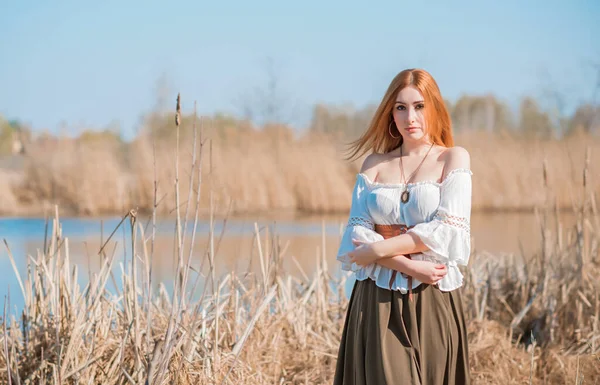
{"type": "Point", "coordinates": [363, 255]}
{"type": "Point", "coordinates": [427, 272]}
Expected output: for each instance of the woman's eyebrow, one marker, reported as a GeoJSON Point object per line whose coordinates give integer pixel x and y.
{"type": "Point", "coordinates": [417, 102]}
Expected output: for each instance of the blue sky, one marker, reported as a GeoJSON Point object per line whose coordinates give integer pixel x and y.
{"type": "Point", "coordinates": [89, 64]}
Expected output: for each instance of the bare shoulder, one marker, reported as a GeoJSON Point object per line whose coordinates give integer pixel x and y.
{"type": "Point", "coordinates": [456, 157]}
{"type": "Point", "coordinates": [371, 164]}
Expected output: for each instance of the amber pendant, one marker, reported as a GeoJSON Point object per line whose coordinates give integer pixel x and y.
{"type": "Point", "coordinates": [405, 196]}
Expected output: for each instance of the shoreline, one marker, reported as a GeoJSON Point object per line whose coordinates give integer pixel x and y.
{"type": "Point", "coordinates": [266, 214]}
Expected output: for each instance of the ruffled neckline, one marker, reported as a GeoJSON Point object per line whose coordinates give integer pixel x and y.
{"type": "Point", "coordinates": [413, 184]}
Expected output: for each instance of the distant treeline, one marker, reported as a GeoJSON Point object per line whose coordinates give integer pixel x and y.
{"type": "Point", "coordinates": [476, 113]}
{"type": "Point", "coordinates": [469, 113]}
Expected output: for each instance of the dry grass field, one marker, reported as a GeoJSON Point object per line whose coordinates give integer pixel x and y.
{"type": "Point", "coordinates": [532, 319]}
{"type": "Point", "coordinates": [251, 171]}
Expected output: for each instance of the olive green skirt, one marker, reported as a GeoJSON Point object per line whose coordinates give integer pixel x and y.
{"type": "Point", "coordinates": [388, 339]}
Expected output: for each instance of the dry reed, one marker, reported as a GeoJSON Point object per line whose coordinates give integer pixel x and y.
{"type": "Point", "coordinates": [270, 170]}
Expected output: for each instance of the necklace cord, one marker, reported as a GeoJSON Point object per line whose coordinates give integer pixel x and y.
{"type": "Point", "coordinates": [417, 169]}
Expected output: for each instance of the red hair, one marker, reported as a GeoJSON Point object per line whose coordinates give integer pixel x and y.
{"type": "Point", "coordinates": [438, 123]}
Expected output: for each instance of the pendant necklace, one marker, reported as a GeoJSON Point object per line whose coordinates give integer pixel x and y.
{"type": "Point", "coordinates": [405, 196]}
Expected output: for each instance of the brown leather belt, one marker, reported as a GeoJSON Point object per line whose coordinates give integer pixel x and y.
{"type": "Point", "coordinates": [388, 231]}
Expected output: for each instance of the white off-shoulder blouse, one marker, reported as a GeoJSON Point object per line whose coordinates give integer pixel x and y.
{"type": "Point", "coordinates": [438, 213]}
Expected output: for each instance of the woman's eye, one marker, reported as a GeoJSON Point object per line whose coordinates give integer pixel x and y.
{"type": "Point", "coordinates": [419, 106]}
{"type": "Point", "coordinates": [400, 108]}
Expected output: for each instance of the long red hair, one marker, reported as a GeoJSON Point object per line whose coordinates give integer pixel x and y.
{"type": "Point", "coordinates": [439, 125]}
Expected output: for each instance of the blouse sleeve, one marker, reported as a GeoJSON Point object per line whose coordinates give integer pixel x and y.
{"type": "Point", "coordinates": [447, 235]}
{"type": "Point", "coordinates": [360, 226]}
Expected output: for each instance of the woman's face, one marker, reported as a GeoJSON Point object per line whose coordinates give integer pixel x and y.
{"type": "Point", "coordinates": [409, 114]}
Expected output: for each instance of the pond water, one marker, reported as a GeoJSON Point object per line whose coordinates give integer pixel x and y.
{"type": "Point", "coordinates": [303, 241]}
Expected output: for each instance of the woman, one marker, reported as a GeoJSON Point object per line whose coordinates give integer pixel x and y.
{"type": "Point", "coordinates": [407, 233]}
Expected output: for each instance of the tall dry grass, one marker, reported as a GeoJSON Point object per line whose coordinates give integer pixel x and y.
{"type": "Point", "coordinates": [270, 169]}
{"type": "Point", "coordinates": [512, 173]}
{"type": "Point", "coordinates": [276, 328]}
{"type": "Point", "coordinates": [532, 319]}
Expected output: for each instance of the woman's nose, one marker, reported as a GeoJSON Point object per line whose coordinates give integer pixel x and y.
{"type": "Point", "coordinates": [410, 116]}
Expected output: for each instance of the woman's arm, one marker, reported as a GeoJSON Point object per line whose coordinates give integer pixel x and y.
{"type": "Point", "coordinates": [425, 271]}
{"type": "Point", "coordinates": [400, 244]}
{"type": "Point", "coordinates": [360, 226]}
{"type": "Point", "coordinates": [375, 252]}
{"type": "Point", "coordinates": [399, 263]}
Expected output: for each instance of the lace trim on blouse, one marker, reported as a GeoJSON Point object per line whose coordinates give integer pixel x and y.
{"type": "Point", "coordinates": [454, 220]}
{"type": "Point", "coordinates": [358, 221]}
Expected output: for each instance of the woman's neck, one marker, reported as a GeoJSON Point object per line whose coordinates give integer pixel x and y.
{"type": "Point", "coordinates": [415, 148]}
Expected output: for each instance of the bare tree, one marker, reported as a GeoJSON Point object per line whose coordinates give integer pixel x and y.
{"type": "Point", "coordinates": [269, 103]}
{"type": "Point", "coordinates": [558, 100]}
{"type": "Point", "coordinates": [533, 121]}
